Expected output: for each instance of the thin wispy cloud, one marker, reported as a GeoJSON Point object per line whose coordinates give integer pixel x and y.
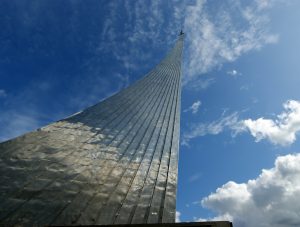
{"type": "Point", "coordinates": [194, 107]}
{"type": "Point", "coordinates": [201, 84]}
{"type": "Point", "coordinates": [234, 73]}
{"type": "Point", "coordinates": [212, 38]}
{"type": "Point", "coordinates": [269, 200]}
{"type": "Point", "coordinates": [194, 177]}
{"type": "Point", "coordinates": [215, 38]}
{"type": "Point", "coordinates": [3, 93]}
{"type": "Point", "coordinates": [23, 112]}
{"type": "Point", "coordinates": [14, 124]}
{"type": "Point", "coordinates": [226, 122]}
{"type": "Point", "coordinates": [128, 43]}
{"type": "Point", "coordinates": [244, 87]}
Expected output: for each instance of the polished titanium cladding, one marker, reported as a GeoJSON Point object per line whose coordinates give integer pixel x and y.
{"type": "Point", "coordinates": [113, 163]}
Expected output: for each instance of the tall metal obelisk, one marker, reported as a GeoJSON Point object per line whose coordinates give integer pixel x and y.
{"type": "Point", "coordinates": [115, 162]}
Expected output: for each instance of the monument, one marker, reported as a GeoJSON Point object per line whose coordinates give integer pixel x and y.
{"type": "Point", "coordinates": [113, 163]}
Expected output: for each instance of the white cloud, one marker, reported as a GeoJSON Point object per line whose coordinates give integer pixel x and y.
{"type": "Point", "coordinates": [281, 131]}
{"type": "Point", "coordinates": [194, 107]}
{"type": "Point", "coordinates": [272, 199]}
{"type": "Point", "coordinates": [213, 128]}
{"type": "Point", "coordinates": [234, 73]}
{"type": "Point", "coordinates": [216, 36]}
{"type": "Point", "coordinates": [201, 84]}
{"type": "Point", "coordinates": [3, 93]}
{"type": "Point", "coordinates": [213, 35]}
{"type": "Point", "coordinates": [224, 217]}
{"type": "Point", "coordinates": [265, 4]}
{"type": "Point", "coordinates": [128, 44]}
{"type": "Point", "coordinates": [177, 216]}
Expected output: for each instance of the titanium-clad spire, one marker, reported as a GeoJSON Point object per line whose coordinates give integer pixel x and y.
{"type": "Point", "coordinates": [115, 162]}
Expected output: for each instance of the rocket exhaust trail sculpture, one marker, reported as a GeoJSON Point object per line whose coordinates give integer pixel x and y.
{"type": "Point", "coordinates": [113, 163]}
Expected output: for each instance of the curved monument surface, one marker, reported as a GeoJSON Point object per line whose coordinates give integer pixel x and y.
{"type": "Point", "coordinates": [113, 163]}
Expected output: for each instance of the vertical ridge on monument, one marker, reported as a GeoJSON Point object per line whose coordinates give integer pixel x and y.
{"type": "Point", "coordinates": [113, 163]}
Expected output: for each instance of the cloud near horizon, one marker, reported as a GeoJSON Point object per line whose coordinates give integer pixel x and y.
{"type": "Point", "coordinates": [281, 131]}
{"type": "Point", "coordinates": [270, 200]}
{"type": "Point", "coordinates": [177, 219]}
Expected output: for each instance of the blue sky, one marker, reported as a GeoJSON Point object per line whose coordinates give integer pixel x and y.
{"type": "Point", "coordinates": [240, 102]}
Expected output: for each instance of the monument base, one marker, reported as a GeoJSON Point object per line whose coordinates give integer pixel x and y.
{"type": "Point", "coordinates": [181, 224]}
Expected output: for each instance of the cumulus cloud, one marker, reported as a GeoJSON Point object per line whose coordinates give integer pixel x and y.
{"type": "Point", "coordinates": [213, 128]}
{"type": "Point", "coordinates": [194, 107]}
{"type": "Point", "coordinates": [281, 131]}
{"type": "Point", "coordinates": [272, 199]}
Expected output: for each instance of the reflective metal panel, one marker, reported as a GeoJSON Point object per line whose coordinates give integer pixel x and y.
{"type": "Point", "coordinates": [115, 162]}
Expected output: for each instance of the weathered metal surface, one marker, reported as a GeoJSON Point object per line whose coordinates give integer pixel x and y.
{"type": "Point", "coordinates": [113, 163]}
